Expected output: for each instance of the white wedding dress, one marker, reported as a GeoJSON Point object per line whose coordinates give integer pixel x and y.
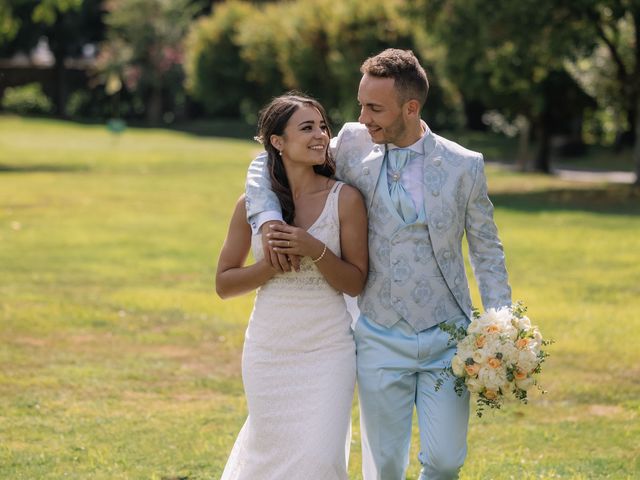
{"type": "Point", "coordinates": [298, 369]}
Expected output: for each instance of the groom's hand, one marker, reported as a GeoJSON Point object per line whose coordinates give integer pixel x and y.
{"type": "Point", "coordinates": [279, 261]}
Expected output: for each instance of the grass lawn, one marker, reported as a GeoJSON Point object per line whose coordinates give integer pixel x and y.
{"type": "Point", "coordinates": [117, 361]}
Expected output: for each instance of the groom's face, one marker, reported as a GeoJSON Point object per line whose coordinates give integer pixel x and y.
{"type": "Point", "coordinates": [380, 109]}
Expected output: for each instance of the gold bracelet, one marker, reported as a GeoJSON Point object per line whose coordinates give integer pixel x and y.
{"type": "Point", "coordinates": [324, 250]}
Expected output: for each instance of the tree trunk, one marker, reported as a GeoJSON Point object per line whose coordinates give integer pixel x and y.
{"type": "Point", "coordinates": [154, 108]}
{"type": "Point", "coordinates": [543, 155]}
{"type": "Point", "coordinates": [636, 83]}
{"type": "Point", "coordinates": [59, 49]}
{"type": "Point", "coordinates": [473, 111]}
{"type": "Point", "coordinates": [636, 146]}
{"type": "Point", "coordinates": [524, 140]}
{"type": "Point", "coordinates": [60, 99]}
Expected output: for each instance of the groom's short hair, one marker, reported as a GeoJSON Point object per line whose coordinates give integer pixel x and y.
{"type": "Point", "coordinates": [411, 81]}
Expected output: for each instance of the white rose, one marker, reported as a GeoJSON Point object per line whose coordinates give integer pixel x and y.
{"type": "Point", "coordinates": [524, 323]}
{"type": "Point", "coordinates": [457, 365]}
{"type": "Point", "coordinates": [474, 327]}
{"type": "Point", "coordinates": [509, 353]}
{"type": "Point", "coordinates": [511, 332]}
{"type": "Point", "coordinates": [480, 356]}
{"type": "Point", "coordinates": [464, 352]}
{"type": "Point", "coordinates": [503, 315]}
{"type": "Point", "coordinates": [474, 385]}
{"type": "Point", "coordinates": [527, 360]}
{"type": "Point", "coordinates": [492, 378]}
{"type": "Point", "coordinates": [525, 383]}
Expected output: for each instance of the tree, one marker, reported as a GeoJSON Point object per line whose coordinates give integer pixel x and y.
{"type": "Point", "coordinates": [616, 25]}
{"type": "Point", "coordinates": [67, 24]}
{"type": "Point", "coordinates": [144, 49]}
{"type": "Point", "coordinates": [510, 57]}
{"type": "Point", "coordinates": [253, 53]}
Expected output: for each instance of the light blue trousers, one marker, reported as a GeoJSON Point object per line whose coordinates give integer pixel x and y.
{"type": "Point", "coordinates": [397, 369]}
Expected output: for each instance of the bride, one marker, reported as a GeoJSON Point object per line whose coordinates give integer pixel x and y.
{"type": "Point", "coordinates": [298, 361]}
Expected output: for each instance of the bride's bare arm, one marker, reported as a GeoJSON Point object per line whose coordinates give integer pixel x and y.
{"type": "Point", "coordinates": [232, 277]}
{"type": "Point", "coordinates": [349, 273]}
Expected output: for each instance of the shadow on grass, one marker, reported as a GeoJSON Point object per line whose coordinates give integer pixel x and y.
{"type": "Point", "coordinates": [42, 168]}
{"type": "Point", "coordinates": [217, 128]}
{"type": "Point", "coordinates": [608, 200]}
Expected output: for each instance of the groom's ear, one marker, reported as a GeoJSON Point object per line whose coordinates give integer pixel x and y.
{"type": "Point", "coordinates": [412, 107]}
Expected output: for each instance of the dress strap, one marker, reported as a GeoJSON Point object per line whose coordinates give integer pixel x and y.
{"type": "Point", "coordinates": [336, 187]}
{"type": "Point", "coordinates": [335, 197]}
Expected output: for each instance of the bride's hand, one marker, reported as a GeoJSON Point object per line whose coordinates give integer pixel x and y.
{"type": "Point", "coordinates": [294, 241]}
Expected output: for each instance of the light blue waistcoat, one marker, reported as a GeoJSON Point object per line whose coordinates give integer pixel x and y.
{"type": "Point", "coordinates": [404, 279]}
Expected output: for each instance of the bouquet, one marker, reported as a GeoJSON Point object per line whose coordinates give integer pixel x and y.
{"type": "Point", "coordinates": [500, 352]}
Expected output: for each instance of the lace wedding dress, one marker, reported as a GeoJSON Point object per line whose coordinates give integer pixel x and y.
{"type": "Point", "coordinates": [298, 369]}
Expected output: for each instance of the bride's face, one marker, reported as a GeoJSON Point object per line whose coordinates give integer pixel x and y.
{"type": "Point", "coordinates": [305, 138]}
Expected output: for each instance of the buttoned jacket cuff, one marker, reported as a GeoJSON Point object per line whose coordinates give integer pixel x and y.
{"type": "Point", "coordinates": [256, 221]}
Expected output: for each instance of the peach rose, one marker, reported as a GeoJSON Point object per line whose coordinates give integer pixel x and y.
{"type": "Point", "coordinates": [494, 362]}
{"type": "Point", "coordinates": [519, 374]}
{"type": "Point", "coordinates": [490, 394]}
{"type": "Point", "coordinates": [522, 343]}
{"type": "Point", "coordinates": [481, 340]}
{"type": "Point", "coordinates": [493, 328]}
{"type": "Point", "coordinates": [472, 370]}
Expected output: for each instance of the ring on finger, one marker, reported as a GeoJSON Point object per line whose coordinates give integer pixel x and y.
{"type": "Point", "coordinates": [288, 243]}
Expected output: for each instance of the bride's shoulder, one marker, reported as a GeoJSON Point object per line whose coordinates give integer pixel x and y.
{"type": "Point", "coordinates": [349, 200]}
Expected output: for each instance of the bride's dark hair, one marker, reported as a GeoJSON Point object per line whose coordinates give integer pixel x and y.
{"type": "Point", "coordinates": [273, 120]}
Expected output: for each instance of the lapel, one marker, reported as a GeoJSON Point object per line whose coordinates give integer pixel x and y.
{"type": "Point", "coordinates": [432, 179]}
{"type": "Point", "coordinates": [371, 166]}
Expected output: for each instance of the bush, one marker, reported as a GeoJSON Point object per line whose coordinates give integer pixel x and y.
{"type": "Point", "coordinates": [259, 38]}
{"type": "Point", "coordinates": [216, 73]}
{"type": "Point", "coordinates": [26, 99]}
{"type": "Point", "coordinates": [361, 29]}
{"type": "Point", "coordinates": [242, 55]}
{"type": "Point", "coordinates": [79, 104]}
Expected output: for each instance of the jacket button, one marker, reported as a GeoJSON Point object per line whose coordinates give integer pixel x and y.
{"type": "Point", "coordinates": [446, 255]}
{"type": "Point", "coordinates": [435, 193]}
{"type": "Point", "coordinates": [437, 162]}
{"type": "Point", "coordinates": [440, 225]}
{"type": "Point", "coordinates": [365, 171]}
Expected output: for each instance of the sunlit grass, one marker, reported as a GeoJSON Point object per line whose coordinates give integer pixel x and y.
{"type": "Point", "coordinates": [118, 361]}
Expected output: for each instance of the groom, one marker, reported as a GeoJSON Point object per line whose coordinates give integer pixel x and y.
{"type": "Point", "coordinates": [423, 194]}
